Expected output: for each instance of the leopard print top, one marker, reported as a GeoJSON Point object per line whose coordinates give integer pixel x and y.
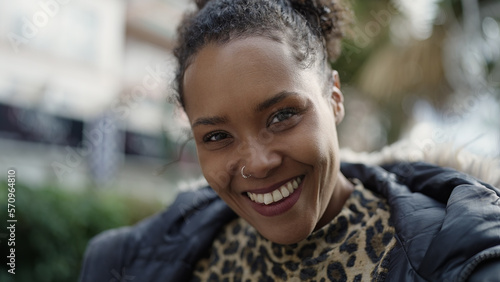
{"type": "Point", "coordinates": [355, 246]}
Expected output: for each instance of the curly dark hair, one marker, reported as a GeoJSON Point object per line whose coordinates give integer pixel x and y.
{"type": "Point", "coordinates": [313, 28]}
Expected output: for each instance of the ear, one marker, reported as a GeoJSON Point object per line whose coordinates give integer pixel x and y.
{"type": "Point", "coordinates": [337, 98]}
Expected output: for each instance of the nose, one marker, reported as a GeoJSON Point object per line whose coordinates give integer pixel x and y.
{"type": "Point", "coordinates": [259, 158]}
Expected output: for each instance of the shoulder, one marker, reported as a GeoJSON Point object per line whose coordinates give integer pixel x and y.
{"type": "Point", "coordinates": [104, 255]}
{"type": "Point", "coordinates": [159, 244]}
{"type": "Point", "coordinates": [431, 180]}
{"type": "Point", "coordinates": [447, 222]}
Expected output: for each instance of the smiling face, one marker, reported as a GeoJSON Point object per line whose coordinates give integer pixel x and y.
{"type": "Point", "coordinates": [250, 104]}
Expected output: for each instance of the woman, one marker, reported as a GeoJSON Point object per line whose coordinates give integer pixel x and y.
{"type": "Point", "coordinates": [263, 104]}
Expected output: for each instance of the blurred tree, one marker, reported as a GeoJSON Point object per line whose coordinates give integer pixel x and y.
{"type": "Point", "coordinates": [54, 226]}
{"type": "Point", "coordinates": [400, 52]}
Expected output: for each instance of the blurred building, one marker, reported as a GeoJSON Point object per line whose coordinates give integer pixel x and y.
{"type": "Point", "coordinates": [83, 94]}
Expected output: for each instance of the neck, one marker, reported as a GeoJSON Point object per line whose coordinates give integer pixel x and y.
{"type": "Point", "coordinates": [342, 191]}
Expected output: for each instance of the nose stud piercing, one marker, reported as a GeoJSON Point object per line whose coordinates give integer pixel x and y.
{"type": "Point", "coordinates": [243, 173]}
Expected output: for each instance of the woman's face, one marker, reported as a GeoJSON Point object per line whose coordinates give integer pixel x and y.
{"type": "Point", "coordinates": [250, 104]}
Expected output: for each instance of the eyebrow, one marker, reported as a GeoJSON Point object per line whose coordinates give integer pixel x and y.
{"type": "Point", "coordinates": [216, 120]}
{"type": "Point", "coordinates": [274, 100]}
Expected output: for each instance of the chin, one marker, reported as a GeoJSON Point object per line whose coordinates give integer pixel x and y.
{"type": "Point", "coordinates": [287, 240]}
{"type": "Point", "coordinates": [287, 237]}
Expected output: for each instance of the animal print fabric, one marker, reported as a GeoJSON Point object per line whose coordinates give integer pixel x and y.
{"type": "Point", "coordinates": [355, 246]}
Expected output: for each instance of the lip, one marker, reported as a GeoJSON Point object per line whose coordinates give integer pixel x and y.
{"type": "Point", "coordinates": [272, 187]}
{"type": "Point", "coordinates": [280, 207]}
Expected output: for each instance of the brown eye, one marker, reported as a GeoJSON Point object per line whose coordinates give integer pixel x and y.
{"type": "Point", "coordinates": [217, 140]}
{"type": "Point", "coordinates": [282, 115]}
{"type": "Point", "coordinates": [215, 137]}
{"type": "Point", "coordinates": [284, 119]}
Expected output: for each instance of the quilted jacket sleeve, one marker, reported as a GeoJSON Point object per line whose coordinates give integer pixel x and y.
{"type": "Point", "coordinates": [465, 244]}
{"type": "Point", "coordinates": [163, 247]}
{"type": "Point", "coordinates": [487, 271]}
{"type": "Point", "coordinates": [447, 223]}
{"type": "Point", "coordinates": [103, 258]}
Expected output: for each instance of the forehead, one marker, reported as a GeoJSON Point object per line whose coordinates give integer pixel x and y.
{"type": "Point", "coordinates": [237, 59]}
{"type": "Point", "coordinates": [240, 72]}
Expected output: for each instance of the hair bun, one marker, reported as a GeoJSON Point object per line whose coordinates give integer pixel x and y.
{"type": "Point", "coordinates": [201, 3]}
{"type": "Point", "coordinates": [328, 17]}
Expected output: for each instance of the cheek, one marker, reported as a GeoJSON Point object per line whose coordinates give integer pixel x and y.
{"type": "Point", "coordinates": [326, 135]}
{"type": "Point", "coordinates": [317, 142]}
{"type": "Point", "coordinates": [216, 170]}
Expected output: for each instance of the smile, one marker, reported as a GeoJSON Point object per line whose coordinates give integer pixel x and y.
{"type": "Point", "coordinates": [277, 195]}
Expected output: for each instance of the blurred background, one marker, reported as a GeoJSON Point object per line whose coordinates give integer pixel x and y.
{"type": "Point", "coordinates": [85, 118]}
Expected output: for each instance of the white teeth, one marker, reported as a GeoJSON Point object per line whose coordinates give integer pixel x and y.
{"type": "Point", "coordinates": [268, 198]}
{"type": "Point", "coordinates": [284, 191]}
{"type": "Point", "coordinates": [277, 195]}
{"type": "Point", "coordinates": [260, 198]}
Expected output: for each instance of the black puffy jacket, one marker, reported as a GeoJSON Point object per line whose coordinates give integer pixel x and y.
{"type": "Point", "coordinates": [447, 227]}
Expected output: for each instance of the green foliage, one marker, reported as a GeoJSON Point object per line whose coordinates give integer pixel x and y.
{"type": "Point", "coordinates": [366, 16]}
{"type": "Point", "coordinates": [54, 226]}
